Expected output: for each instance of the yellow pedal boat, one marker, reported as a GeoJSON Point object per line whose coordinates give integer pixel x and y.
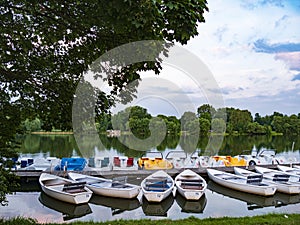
{"type": "Point", "coordinates": [153, 160]}
{"type": "Point", "coordinates": [229, 161]}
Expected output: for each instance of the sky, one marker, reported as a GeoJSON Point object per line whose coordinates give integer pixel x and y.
{"type": "Point", "coordinates": [247, 57]}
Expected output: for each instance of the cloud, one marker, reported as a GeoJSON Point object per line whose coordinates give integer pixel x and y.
{"type": "Point", "coordinates": [286, 102]}
{"type": "Point", "coordinates": [292, 59]}
{"type": "Point", "coordinates": [220, 32]}
{"type": "Point", "coordinates": [252, 49]}
{"type": "Point", "coordinates": [251, 5]}
{"type": "Point", "coordinates": [281, 21]}
{"type": "Point", "coordinates": [262, 45]}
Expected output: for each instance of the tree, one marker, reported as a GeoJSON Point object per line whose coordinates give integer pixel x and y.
{"type": "Point", "coordinates": [172, 123]}
{"type": "Point", "coordinates": [239, 119]}
{"type": "Point", "coordinates": [257, 118]}
{"type": "Point", "coordinates": [256, 129]}
{"type": "Point", "coordinates": [186, 118]}
{"type": "Point", "coordinates": [206, 111]}
{"type": "Point", "coordinates": [218, 125]}
{"type": "Point", "coordinates": [46, 46]}
{"type": "Point", "coordinates": [10, 118]}
{"type": "Point", "coordinates": [204, 126]}
{"type": "Point", "coordinates": [277, 124]}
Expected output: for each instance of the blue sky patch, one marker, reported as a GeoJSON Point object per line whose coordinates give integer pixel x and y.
{"type": "Point", "coordinates": [261, 45]}
{"type": "Point", "coordinates": [297, 77]}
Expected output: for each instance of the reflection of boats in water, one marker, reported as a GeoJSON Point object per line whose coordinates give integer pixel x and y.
{"type": "Point", "coordinates": [69, 211]}
{"type": "Point", "coordinates": [255, 201]}
{"type": "Point", "coordinates": [157, 208]}
{"type": "Point", "coordinates": [286, 199]}
{"type": "Point", "coordinates": [117, 205]}
{"type": "Point", "coordinates": [191, 206]}
{"type": "Point", "coordinates": [252, 200]}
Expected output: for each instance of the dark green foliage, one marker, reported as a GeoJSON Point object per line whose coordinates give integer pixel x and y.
{"type": "Point", "coordinates": [46, 46]}
{"type": "Point", "coordinates": [206, 111]}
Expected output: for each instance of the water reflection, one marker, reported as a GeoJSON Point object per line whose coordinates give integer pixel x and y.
{"type": "Point", "coordinates": [255, 201]}
{"type": "Point", "coordinates": [191, 206]}
{"type": "Point", "coordinates": [69, 211]}
{"type": "Point", "coordinates": [65, 145]}
{"type": "Point", "coordinates": [117, 205]}
{"type": "Point", "coordinates": [157, 209]}
{"type": "Point", "coordinates": [285, 199]}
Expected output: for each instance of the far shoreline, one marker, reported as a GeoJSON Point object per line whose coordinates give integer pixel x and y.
{"type": "Point", "coordinates": [52, 132]}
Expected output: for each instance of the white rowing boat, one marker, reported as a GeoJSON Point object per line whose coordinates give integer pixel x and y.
{"type": "Point", "coordinates": [281, 179]}
{"type": "Point", "coordinates": [190, 185]}
{"type": "Point", "coordinates": [117, 187]}
{"type": "Point", "coordinates": [64, 189]}
{"type": "Point", "coordinates": [250, 184]}
{"type": "Point", "coordinates": [157, 186]}
{"type": "Point", "coordinates": [289, 170]}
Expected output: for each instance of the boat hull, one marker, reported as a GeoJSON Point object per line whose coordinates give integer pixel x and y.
{"type": "Point", "coordinates": [56, 191]}
{"type": "Point", "coordinates": [264, 190]}
{"type": "Point", "coordinates": [282, 186]}
{"type": "Point", "coordinates": [190, 185]}
{"type": "Point", "coordinates": [158, 194]}
{"type": "Point", "coordinates": [105, 187]}
{"type": "Point", "coordinates": [190, 195]}
{"type": "Point", "coordinates": [116, 193]}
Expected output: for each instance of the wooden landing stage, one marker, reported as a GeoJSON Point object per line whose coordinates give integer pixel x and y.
{"type": "Point", "coordinates": [131, 174]}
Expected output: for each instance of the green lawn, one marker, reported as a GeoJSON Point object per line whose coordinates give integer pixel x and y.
{"type": "Point", "coordinates": [271, 219]}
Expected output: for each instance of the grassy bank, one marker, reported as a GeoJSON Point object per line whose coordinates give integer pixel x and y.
{"type": "Point", "coordinates": [269, 219]}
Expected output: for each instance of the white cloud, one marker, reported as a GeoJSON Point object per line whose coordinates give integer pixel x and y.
{"type": "Point", "coordinates": [225, 44]}
{"type": "Point", "coordinates": [229, 43]}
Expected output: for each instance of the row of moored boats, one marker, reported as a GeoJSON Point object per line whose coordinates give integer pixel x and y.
{"type": "Point", "coordinates": [263, 181]}
{"type": "Point", "coordinates": [78, 188]}
{"type": "Point", "coordinates": [153, 160]}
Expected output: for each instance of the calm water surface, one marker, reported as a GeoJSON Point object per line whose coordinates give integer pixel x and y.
{"type": "Point", "coordinates": [217, 202]}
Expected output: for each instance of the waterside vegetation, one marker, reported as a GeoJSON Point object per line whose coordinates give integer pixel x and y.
{"type": "Point", "coordinates": [206, 121]}
{"type": "Point", "coordinates": [269, 219]}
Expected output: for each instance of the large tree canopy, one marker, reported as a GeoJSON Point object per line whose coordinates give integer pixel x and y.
{"type": "Point", "coordinates": [46, 46]}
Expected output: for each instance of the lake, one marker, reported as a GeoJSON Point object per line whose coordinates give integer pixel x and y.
{"type": "Point", "coordinates": [217, 202]}
{"type": "Point", "coordinates": [66, 146]}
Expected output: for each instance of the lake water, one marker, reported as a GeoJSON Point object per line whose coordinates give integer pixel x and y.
{"type": "Point", "coordinates": [217, 202]}
{"type": "Point", "coordinates": [66, 146]}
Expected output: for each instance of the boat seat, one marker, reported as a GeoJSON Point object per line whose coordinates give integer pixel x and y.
{"type": "Point", "coordinates": [91, 162]}
{"type": "Point", "coordinates": [74, 187]}
{"type": "Point", "coordinates": [281, 177]}
{"type": "Point", "coordinates": [130, 161]}
{"type": "Point", "coordinates": [117, 161]}
{"type": "Point", "coordinates": [192, 184]}
{"type": "Point", "coordinates": [254, 179]}
{"type": "Point", "coordinates": [156, 184]}
{"type": "Point", "coordinates": [54, 182]}
{"type": "Point", "coordinates": [105, 162]}
{"type": "Point", "coordinates": [119, 182]}
{"type": "Point", "coordinates": [190, 180]}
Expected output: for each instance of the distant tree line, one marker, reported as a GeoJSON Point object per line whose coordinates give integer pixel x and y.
{"type": "Point", "coordinates": [206, 120]}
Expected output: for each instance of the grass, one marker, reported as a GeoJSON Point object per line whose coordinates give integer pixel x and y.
{"type": "Point", "coordinates": [268, 219]}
